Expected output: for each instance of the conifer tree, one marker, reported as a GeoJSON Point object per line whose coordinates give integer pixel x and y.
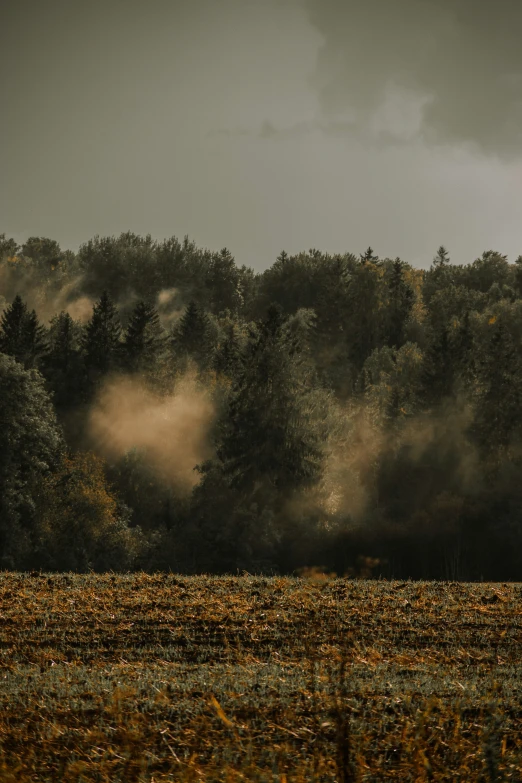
{"type": "Point", "coordinates": [101, 343]}
{"type": "Point", "coordinates": [63, 365]}
{"type": "Point", "coordinates": [498, 390]}
{"type": "Point", "coordinates": [12, 329]}
{"type": "Point", "coordinates": [362, 300]}
{"type": "Point", "coordinates": [462, 350]}
{"type": "Point", "coordinates": [21, 334]}
{"type": "Point", "coordinates": [400, 302]}
{"type": "Point", "coordinates": [144, 339]}
{"type": "Point", "coordinates": [438, 276]}
{"type": "Point", "coordinates": [268, 436]}
{"type": "Point", "coordinates": [437, 375]}
{"type": "Point", "coordinates": [227, 356]}
{"type": "Point", "coordinates": [441, 258]}
{"type": "Point", "coordinates": [35, 339]}
{"type": "Point", "coordinates": [368, 256]}
{"type": "Point", "coordinates": [193, 337]}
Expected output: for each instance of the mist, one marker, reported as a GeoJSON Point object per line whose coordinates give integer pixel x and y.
{"type": "Point", "coordinates": [172, 430]}
{"type": "Point", "coordinates": [333, 408]}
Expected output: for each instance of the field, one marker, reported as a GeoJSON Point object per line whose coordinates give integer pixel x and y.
{"type": "Point", "coordinates": [160, 677]}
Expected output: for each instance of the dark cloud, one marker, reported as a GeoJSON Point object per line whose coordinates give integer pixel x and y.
{"type": "Point", "coordinates": [448, 70]}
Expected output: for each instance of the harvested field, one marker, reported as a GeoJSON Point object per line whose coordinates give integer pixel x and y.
{"type": "Point", "coordinates": [168, 678]}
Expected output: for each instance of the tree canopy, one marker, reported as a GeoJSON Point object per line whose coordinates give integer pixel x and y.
{"type": "Point", "coordinates": [331, 407]}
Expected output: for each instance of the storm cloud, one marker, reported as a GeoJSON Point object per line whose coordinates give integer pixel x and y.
{"type": "Point", "coordinates": [449, 71]}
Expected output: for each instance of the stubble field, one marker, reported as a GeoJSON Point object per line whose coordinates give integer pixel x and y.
{"type": "Point", "coordinates": [168, 678]}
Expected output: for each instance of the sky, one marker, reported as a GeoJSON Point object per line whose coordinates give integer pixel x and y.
{"type": "Point", "coordinates": [265, 125]}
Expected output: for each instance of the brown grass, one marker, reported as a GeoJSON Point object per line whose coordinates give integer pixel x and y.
{"type": "Point", "coordinates": [166, 678]}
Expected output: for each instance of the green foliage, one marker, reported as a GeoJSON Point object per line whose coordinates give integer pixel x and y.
{"type": "Point", "coordinates": [227, 355]}
{"type": "Point", "coordinates": [374, 402]}
{"type": "Point", "coordinates": [223, 283]}
{"type": "Point", "coordinates": [364, 303]}
{"type": "Point", "coordinates": [498, 387]}
{"type": "Point", "coordinates": [401, 297]}
{"type": "Point", "coordinates": [392, 382]}
{"type": "Point", "coordinates": [268, 434]}
{"type": "Point", "coordinates": [194, 337]}
{"type": "Point", "coordinates": [8, 246]}
{"type": "Point", "coordinates": [31, 446]}
{"type": "Point", "coordinates": [144, 340]}
{"type": "Point", "coordinates": [368, 256]}
{"type": "Point", "coordinates": [438, 369]}
{"type": "Point", "coordinates": [21, 334]}
{"type": "Point", "coordinates": [45, 253]}
{"type": "Point", "coordinates": [101, 340]}
{"type": "Point", "coordinates": [118, 265]}
{"type": "Point", "coordinates": [63, 365]}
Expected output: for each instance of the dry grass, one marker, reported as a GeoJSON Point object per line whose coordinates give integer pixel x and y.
{"type": "Point", "coordinates": [164, 678]}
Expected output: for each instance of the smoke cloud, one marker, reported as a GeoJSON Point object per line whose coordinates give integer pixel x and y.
{"type": "Point", "coordinates": [448, 71]}
{"type": "Point", "coordinates": [172, 430]}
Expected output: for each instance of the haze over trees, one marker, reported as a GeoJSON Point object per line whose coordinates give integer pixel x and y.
{"type": "Point", "coordinates": [162, 407]}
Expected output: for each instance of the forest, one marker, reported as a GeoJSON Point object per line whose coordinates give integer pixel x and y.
{"type": "Point", "coordinates": [164, 409]}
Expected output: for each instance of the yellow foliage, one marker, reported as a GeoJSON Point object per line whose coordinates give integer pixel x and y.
{"type": "Point", "coordinates": [76, 502]}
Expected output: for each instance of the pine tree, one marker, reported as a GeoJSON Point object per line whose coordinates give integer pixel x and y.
{"type": "Point", "coordinates": [193, 337]}
{"type": "Point", "coordinates": [144, 339]}
{"type": "Point", "coordinates": [462, 350]}
{"type": "Point", "coordinates": [35, 339]}
{"type": "Point", "coordinates": [400, 303]}
{"type": "Point", "coordinates": [393, 405]}
{"type": "Point", "coordinates": [363, 313]}
{"type": "Point", "coordinates": [12, 339]}
{"type": "Point", "coordinates": [269, 437]}
{"type": "Point", "coordinates": [441, 258]}
{"type": "Point", "coordinates": [438, 277]}
{"type": "Point", "coordinates": [101, 343]}
{"type": "Point", "coordinates": [21, 334]}
{"type": "Point", "coordinates": [438, 374]}
{"type": "Point", "coordinates": [63, 366]}
{"type": "Point", "coordinates": [498, 390]}
{"type": "Point", "coordinates": [368, 256]}
{"type": "Point", "coordinates": [227, 356]}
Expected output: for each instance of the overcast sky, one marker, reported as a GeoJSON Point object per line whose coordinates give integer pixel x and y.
{"type": "Point", "coordinates": [263, 125]}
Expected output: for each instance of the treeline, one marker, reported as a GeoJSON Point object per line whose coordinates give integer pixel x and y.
{"type": "Point", "coordinates": [163, 408]}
